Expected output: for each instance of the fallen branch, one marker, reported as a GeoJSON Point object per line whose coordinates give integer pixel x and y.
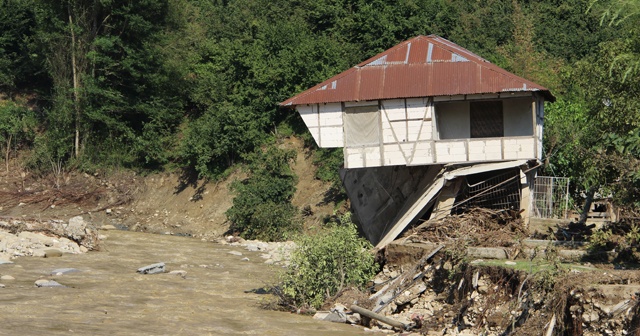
{"type": "Point", "coordinates": [552, 325]}
{"type": "Point", "coordinates": [381, 318]}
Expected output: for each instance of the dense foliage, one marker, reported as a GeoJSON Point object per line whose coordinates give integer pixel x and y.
{"type": "Point", "coordinates": [193, 84]}
{"type": "Point", "coordinates": [326, 262]}
{"type": "Point", "coordinates": [262, 207]}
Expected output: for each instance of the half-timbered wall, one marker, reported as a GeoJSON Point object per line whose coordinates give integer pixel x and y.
{"type": "Point", "coordinates": [424, 131]}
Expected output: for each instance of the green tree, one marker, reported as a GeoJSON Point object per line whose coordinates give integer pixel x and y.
{"type": "Point", "coordinates": [110, 82]}
{"type": "Point", "coordinates": [18, 67]}
{"type": "Point", "coordinates": [17, 127]}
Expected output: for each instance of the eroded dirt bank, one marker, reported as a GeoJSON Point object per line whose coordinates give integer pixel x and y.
{"type": "Point", "coordinates": [434, 283]}
{"type": "Point", "coordinates": [175, 203]}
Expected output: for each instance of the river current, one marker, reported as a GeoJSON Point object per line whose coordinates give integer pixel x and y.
{"type": "Point", "coordinates": [108, 297]}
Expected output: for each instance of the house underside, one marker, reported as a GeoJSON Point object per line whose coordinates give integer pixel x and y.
{"type": "Point", "coordinates": [388, 200]}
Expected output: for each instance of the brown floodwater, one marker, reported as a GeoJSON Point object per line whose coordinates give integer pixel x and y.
{"type": "Point", "coordinates": [108, 297]}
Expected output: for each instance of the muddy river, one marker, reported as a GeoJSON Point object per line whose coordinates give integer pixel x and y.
{"type": "Point", "coordinates": [108, 297]}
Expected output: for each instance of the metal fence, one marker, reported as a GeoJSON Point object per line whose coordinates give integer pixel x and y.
{"type": "Point", "coordinates": [550, 197]}
{"type": "Point", "coordinates": [498, 192]}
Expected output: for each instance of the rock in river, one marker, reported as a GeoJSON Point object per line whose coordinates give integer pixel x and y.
{"type": "Point", "coordinates": [152, 269]}
{"type": "Point", "coordinates": [48, 283]}
{"type": "Point", "coordinates": [61, 271]}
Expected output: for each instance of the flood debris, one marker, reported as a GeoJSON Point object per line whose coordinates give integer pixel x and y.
{"type": "Point", "coordinates": [441, 291]}
{"type": "Point", "coordinates": [152, 269]}
{"type": "Point", "coordinates": [48, 283]}
{"type": "Point", "coordinates": [476, 227]}
{"type": "Point", "coordinates": [381, 318]}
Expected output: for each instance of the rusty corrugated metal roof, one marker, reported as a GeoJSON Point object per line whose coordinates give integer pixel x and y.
{"type": "Point", "coordinates": [424, 66]}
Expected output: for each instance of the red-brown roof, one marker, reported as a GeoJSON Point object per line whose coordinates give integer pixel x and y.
{"type": "Point", "coordinates": [424, 66]}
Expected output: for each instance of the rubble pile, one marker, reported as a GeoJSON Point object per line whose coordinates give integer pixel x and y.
{"type": "Point", "coordinates": [446, 292]}
{"type": "Point", "coordinates": [442, 297]}
{"type": "Point", "coordinates": [477, 227]}
{"type": "Point", "coordinates": [21, 237]}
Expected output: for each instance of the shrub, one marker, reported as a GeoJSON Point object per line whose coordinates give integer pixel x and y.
{"type": "Point", "coordinates": [262, 207]}
{"type": "Point", "coordinates": [325, 262]}
{"type": "Point", "coordinates": [600, 239]}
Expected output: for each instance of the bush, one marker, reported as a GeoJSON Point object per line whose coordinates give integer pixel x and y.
{"type": "Point", "coordinates": [326, 262]}
{"type": "Point", "coordinates": [272, 221]}
{"type": "Point", "coordinates": [262, 208]}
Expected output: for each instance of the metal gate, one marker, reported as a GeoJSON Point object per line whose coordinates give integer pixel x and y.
{"type": "Point", "coordinates": [550, 197]}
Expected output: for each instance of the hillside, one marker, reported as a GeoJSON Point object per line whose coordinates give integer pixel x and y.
{"type": "Point", "coordinates": [156, 203]}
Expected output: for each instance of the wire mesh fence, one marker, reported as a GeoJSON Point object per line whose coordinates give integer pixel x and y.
{"type": "Point", "coordinates": [498, 192]}
{"type": "Point", "coordinates": [550, 197]}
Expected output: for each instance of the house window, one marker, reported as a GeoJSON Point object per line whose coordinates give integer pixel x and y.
{"type": "Point", "coordinates": [362, 126]}
{"type": "Point", "coordinates": [486, 119]}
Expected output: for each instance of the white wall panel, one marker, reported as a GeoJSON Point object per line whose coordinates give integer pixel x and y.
{"type": "Point", "coordinates": [372, 157]}
{"type": "Point", "coordinates": [309, 114]}
{"type": "Point", "coordinates": [331, 114]}
{"type": "Point", "coordinates": [519, 148]}
{"type": "Point", "coordinates": [450, 151]}
{"type": "Point", "coordinates": [387, 134]}
{"type": "Point", "coordinates": [416, 108]}
{"type": "Point", "coordinates": [481, 150]}
{"type": "Point", "coordinates": [393, 155]}
{"type": "Point", "coordinates": [331, 137]}
{"type": "Point", "coordinates": [395, 109]}
{"type": "Point", "coordinates": [400, 130]}
{"type": "Point", "coordinates": [354, 158]}
{"type": "Point", "coordinates": [426, 133]}
{"type": "Point", "coordinates": [413, 130]}
{"type": "Point", "coordinates": [315, 133]}
{"type": "Point", "coordinates": [422, 154]}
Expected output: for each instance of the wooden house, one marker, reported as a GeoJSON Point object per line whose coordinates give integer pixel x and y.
{"type": "Point", "coordinates": [414, 113]}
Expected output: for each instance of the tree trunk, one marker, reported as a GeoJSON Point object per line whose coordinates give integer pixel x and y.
{"type": "Point", "coordinates": [6, 156]}
{"type": "Point", "coordinates": [587, 205]}
{"type": "Point", "coordinates": [76, 85]}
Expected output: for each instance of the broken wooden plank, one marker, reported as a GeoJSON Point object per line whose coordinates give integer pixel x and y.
{"type": "Point", "coordinates": [385, 298]}
{"type": "Point", "coordinates": [552, 325]}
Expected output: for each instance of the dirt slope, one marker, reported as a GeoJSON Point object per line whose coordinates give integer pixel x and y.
{"type": "Point", "coordinates": [158, 203]}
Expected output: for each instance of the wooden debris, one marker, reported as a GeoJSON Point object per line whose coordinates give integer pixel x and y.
{"type": "Point", "coordinates": [381, 318]}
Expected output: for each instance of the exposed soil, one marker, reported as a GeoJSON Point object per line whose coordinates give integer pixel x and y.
{"type": "Point", "coordinates": [157, 203]}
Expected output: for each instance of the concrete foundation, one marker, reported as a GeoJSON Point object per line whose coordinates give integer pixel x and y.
{"type": "Point", "coordinates": [378, 195]}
